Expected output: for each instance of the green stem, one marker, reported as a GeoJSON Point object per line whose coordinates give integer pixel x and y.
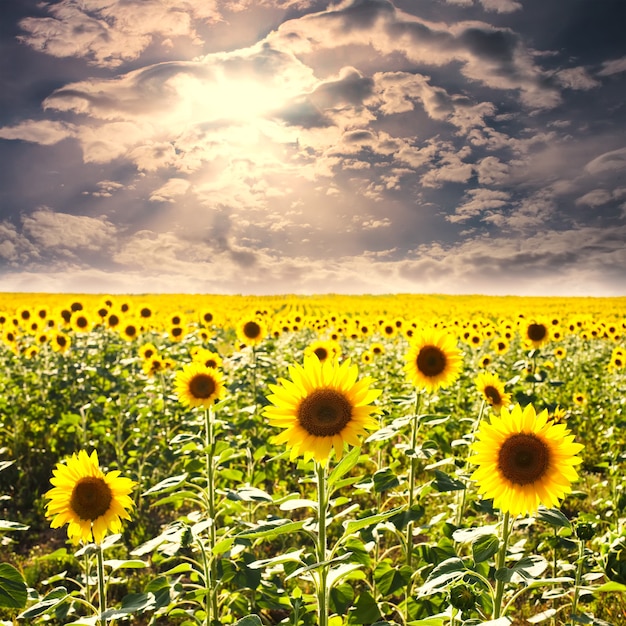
{"type": "Point", "coordinates": [579, 575]}
{"type": "Point", "coordinates": [461, 508]}
{"type": "Point", "coordinates": [322, 509]}
{"type": "Point", "coordinates": [102, 600]}
{"type": "Point", "coordinates": [415, 424]}
{"type": "Point", "coordinates": [211, 582]}
{"type": "Point", "coordinates": [500, 563]}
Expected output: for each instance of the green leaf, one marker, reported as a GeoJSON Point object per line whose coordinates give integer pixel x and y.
{"type": "Point", "coordinates": [6, 525]}
{"type": "Point", "coordinates": [270, 530]}
{"type": "Point", "coordinates": [611, 587]}
{"type": "Point", "coordinates": [52, 599]}
{"type": "Point", "coordinates": [385, 479]}
{"type": "Point", "coordinates": [249, 494]}
{"type": "Point", "coordinates": [352, 526]}
{"type": "Point", "coordinates": [131, 603]}
{"type": "Point", "coordinates": [249, 620]}
{"type": "Point", "coordinates": [449, 570]}
{"type": "Point", "coordinates": [281, 558]}
{"type": "Point", "coordinates": [443, 482]}
{"type": "Point", "coordinates": [116, 564]}
{"type": "Point", "coordinates": [528, 568]}
{"type": "Point", "coordinates": [365, 611]}
{"type": "Point", "coordinates": [434, 620]}
{"type": "Point", "coordinates": [554, 517]}
{"type": "Point", "coordinates": [344, 466]}
{"type": "Point", "coordinates": [390, 579]}
{"type": "Point", "coordinates": [167, 484]}
{"type": "Point", "coordinates": [13, 591]}
{"type": "Point", "coordinates": [298, 503]}
{"type": "Point", "coordinates": [484, 548]}
{"type": "Point", "coordinates": [341, 598]}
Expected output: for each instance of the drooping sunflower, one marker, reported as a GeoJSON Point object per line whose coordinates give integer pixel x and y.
{"type": "Point", "coordinates": [251, 331]}
{"type": "Point", "coordinates": [492, 389]}
{"type": "Point", "coordinates": [524, 460]}
{"type": "Point", "coordinates": [198, 385]}
{"type": "Point", "coordinates": [322, 408]}
{"type": "Point", "coordinates": [433, 360]}
{"type": "Point", "coordinates": [88, 500]}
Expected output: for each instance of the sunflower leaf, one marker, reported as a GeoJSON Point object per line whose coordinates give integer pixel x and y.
{"type": "Point", "coordinates": [13, 592]}
{"type": "Point", "coordinates": [344, 466]}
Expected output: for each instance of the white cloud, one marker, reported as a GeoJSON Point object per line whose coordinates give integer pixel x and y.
{"type": "Point", "coordinates": [44, 132]}
{"type": "Point", "coordinates": [64, 232]}
{"type": "Point", "coordinates": [614, 66]}
{"type": "Point", "coordinates": [168, 192]}
{"type": "Point", "coordinates": [576, 78]}
{"type": "Point", "coordinates": [479, 201]}
{"type": "Point", "coordinates": [612, 161]}
{"type": "Point", "coordinates": [110, 32]}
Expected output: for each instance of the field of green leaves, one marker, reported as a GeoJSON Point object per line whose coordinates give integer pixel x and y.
{"type": "Point", "coordinates": [225, 525]}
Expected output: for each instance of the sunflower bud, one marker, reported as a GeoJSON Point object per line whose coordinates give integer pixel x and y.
{"type": "Point", "coordinates": [585, 531]}
{"type": "Point", "coordinates": [616, 561]}
{"type": "Point", "coordinates": [462, 597]}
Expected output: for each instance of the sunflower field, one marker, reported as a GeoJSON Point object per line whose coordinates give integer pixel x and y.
{"type": "Point", "coordinates": [405, 460]}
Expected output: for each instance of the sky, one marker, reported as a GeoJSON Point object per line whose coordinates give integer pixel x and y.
{"type": "Point", "coordinates": [300, 146]}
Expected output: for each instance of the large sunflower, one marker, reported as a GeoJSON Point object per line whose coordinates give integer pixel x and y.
{"type": "Point", "coordinates": [198, 385]}
{"type": "Point", "coordinates": [524, 460]}
{"type": "Point", "coordinates": [492, 389]}
{"type": "Point", "coordinates": [321, 408]}
{"type": "Point", "coordinates": [433, 360]}
{"type": "Point", "coordinates": [88, 500]}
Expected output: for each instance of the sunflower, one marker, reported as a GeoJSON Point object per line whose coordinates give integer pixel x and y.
{"type": "Point", "coordinates": [323, 349]}
{"type": "Point", "coordinates": [536, 333]}
{"type": "Point", "coordinates": [524, 460]}
{"type": "Point", "coordinates": [61, 342]}
{"type": "Point", "coordinates": [88, 500]}
{"type": "Point", "coordinates": [433, 360]}
{"type": "Point", "coordinates": [492, 389]}
{"type": "Point", "coordinates": [198, 385]}
{"type": "Point", "coordinates": [251, 331]}
{"type": "Point", "coordinates": [322, 408]}
{"type": "Point", "coordinates": [207, 358]}
{"type": "Point", "coordinates": [147, 351]}
{"type": "Point", "coordinates": [579, 398]}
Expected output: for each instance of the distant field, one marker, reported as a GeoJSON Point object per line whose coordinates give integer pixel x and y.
{"type": "Point", "coordinates": [225, 525]}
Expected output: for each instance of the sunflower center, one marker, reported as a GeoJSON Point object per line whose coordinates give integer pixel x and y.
{"type": "Point", "coordinates": [251, 330]}
{"type": "Point", "coordinates": [431, 361]}
{"type": "Point", "coordinates": [202, 386]}
{"type": "Point", "coordinates": [536, 332]}
{"type": "Point", "coordinates": [321, 353]}
{"type": "Point", "coordinates": [325, 412]}
{"type": "Point", "coordinates": [91, 498]}
{"type": "Point", "coordinates": [523, 459]}
{"type": "Point", "coordinates": [493, 395]}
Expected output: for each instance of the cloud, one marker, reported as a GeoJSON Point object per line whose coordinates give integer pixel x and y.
{"type": "Point", "coordinates": [493, 56]}
{"type": "Point", "coordinates": [44, 132]}
{"type": "Point", "coordinates": [576, 78]}
{"type": "Point", "coordinates": [70, 233]}
{"type": "Point", "coordinates": [498, 6]}
{"type": "Point", "coordinates": [168, 192]}
{"type": "Point", "coordinates": [480, 200]}
{"type": "Point", "coordinates": [599, 197]}
{"type": "Point", "coordinates": [614, 66]}
{"type": "Point", "coordinates": [108, 33]}
{"type": "Point", "coordinates": [612, 161]}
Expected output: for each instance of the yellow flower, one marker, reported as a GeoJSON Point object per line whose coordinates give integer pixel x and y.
{"type": "Point", "coordinates": [433, 360]}
{"type": "Point", "coordinates": [88, 500]}
{"type": "Point", "coordinates": [492, 389]}
{"type": "Point", "coordinates": [323, 349]}
{"type": "Point", "coordinates": [198, 385]}
{"type": "Point", "coordinates": [524, 460]}
{"type": "Point", "coordinates": [207, 358]}
{"type": "Point", "coordinates": [536, 333]}
{"type": "Point", "coordinates": [322, 408]}
{"type": "Point", "coordinates": [251, 331]}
